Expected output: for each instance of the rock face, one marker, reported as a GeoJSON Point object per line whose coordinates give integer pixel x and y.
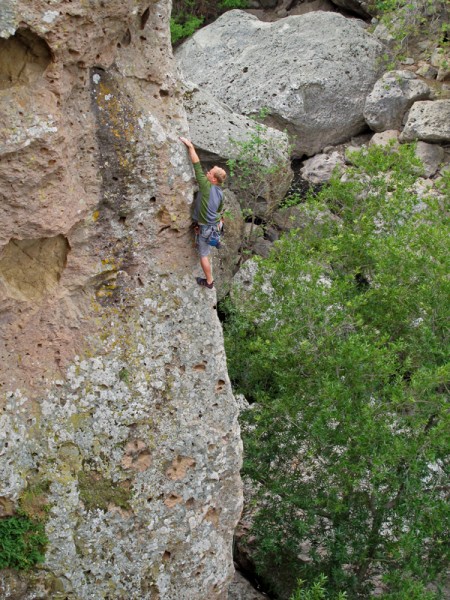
{"type": "Point", "coordinates": [241, 589]}
{"type": "Point", "coordinates": [428, 122]}
{"type": "Point", "coordinates": [213, 125]}
{"type": "Point", "coordinates": [312, 72]}
{"type": "Point", "coordinates": [319, 168]}
{"type": "Point", "coordinates": [115, 397]}
{"type": "Point", "coordinates": [391, 97]}
{"type": "Point", "coordinates": [431, 155]}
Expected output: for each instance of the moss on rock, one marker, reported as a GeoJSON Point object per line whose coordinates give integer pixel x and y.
{"type": "Point", "coordinates": [98, 492]}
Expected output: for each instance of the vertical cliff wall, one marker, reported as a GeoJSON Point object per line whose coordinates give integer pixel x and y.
{"type": "Point", "coordinates": [117, 416]}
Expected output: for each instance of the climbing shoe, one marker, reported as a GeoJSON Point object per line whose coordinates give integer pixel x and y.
{"type": "Point", "coordinates": [202, 281]}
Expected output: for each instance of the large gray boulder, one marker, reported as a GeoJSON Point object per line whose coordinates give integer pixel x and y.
{"type": "Point", "coordinates": [391, 97]}
{"type": "Point", "coordinates": [428, 121]}
{"type": "Point", "coordinates": [215, 128]}
{"type": "Point", "coordinates": [313, 72]}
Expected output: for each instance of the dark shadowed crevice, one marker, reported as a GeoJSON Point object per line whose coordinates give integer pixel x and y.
{"type": "Point", "coordinates": [144, 17]}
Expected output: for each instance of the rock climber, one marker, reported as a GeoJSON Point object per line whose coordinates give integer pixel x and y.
{"type": "Point", "coordinates": [207, 211]}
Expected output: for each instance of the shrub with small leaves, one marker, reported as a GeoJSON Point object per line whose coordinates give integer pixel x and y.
{"type": "Point", "coordinates": [342, 348]}
{"type": "Point", "coordinates": [408, 20]}
{"type": "Point", "coordinates": [22, 542]}
{"type": "Point", "coordinates": [189, 15]}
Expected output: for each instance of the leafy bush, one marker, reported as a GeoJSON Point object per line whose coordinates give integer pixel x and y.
{"type": "Point", "coordinates": [189, 15]}
{"type": "Point", "coordinates": [230, 4]}
{"type": "Point", "coordinates": [315, 592]}
{"type": "Point", "coordinates": [407, 20]}
{"type": "Point", "coordinates": [343, 350]}
{"type": "Point", "coordinates": [179, 31]}
{"type": "Point", "coordinates": [22, 542]}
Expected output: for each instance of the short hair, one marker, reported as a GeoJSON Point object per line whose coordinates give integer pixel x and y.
{"type": "Point", "coordinates": [220, 174]}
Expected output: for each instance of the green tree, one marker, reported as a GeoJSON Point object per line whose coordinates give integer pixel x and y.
{"type": "Point", "coordinates": [342, 348]}
{"type": "Point", "coordinates": [189, 15]}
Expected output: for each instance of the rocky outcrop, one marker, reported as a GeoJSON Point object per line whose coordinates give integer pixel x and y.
{"type": "Point", "coordinates": [314, 81]}
{"type": "Point", "coordinates": [385, 138]}
{"type": "Point", "coordinates": [116, 403]}
{"type": "Point", "coordinates": [428, 122]}
{"type": "Point", "coordinates": [215, 128]}
{"type": "Point", "coordinates": [440, 60]}
{"type": "Point", "coordinates": [431, 155]}
{"type": "Point", "coordinates": [320, 168]}
{"type": "Point", "coordinates": [391, 97]}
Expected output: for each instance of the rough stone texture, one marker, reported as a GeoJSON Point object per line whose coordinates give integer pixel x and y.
{"type": "Point", "coordinates": [262, 247]}
{"type": "Point", "coordinates": [391, 97]}
{"type": "Point", "coordinates": [114, 388]}
{"type": "Point", "coordinates": [319, 168]}
{"type": "Point", "coordinates": [431, 156]}
{"type": "Point", "coordinates": [297, 217]}
{"type": "Point", "coordinates": [428, 122]}
{"type": "Point", "coordinates": [244, 282]}
{"type": "Point", "coordinates": [426, 70]}
{"type": "Point", "coordinates": [441, 60]}
{"type": "Point", "coordinates": [241, 589]}
{"type": "Point", "coordinates": [384, 35]}
{"type": "Point", "coordinates": [213, 126]}
{"type": "Point", "coordinates": [314, 80]}
{"type": "Point", "coordinates": [385, 138]}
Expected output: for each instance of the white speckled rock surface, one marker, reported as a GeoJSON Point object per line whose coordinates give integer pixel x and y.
{"type": "Point", "coordinates": [428, 121]}
{"type": "Point", "coordinates": [391, 97]}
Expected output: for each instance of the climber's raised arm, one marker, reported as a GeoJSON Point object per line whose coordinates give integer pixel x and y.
{"type": "Point", "coordinates": [192, 153]}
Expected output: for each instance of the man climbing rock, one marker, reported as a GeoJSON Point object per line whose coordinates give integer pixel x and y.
{"type": "Point", "coordinates": [207, 210]}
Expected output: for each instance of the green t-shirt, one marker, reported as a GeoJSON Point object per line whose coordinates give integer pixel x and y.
{"type": "Point", "coordinates": [209, 201]}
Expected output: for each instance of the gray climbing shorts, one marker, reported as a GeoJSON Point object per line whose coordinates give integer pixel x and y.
{"type": "Point", "coordinates": [204, 248]}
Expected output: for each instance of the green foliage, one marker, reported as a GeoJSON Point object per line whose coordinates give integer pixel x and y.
{"type": "Point", "coordinates": [22, 542]}
{"type": "Point", "coordinates": [189, 15]}
{"type": "Point", "coordinates": [33, 502]}
{"type": "Point", "coordinates": [404, 588]}
{"type": "Point", "coordinates": [179, 31]}
{"type": "Point", "coordinates": [230, 4]}
{"type": "Point", "coordinates": [292, 200]}
{"type": "Point", "coordinates": [316, 591]}
{"type": "Point", "coordinates": [407, 20]}
{"type": "Point", "coordinates": [343, 349]}
{"type": "Point", "coordinates": [124, 375]}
